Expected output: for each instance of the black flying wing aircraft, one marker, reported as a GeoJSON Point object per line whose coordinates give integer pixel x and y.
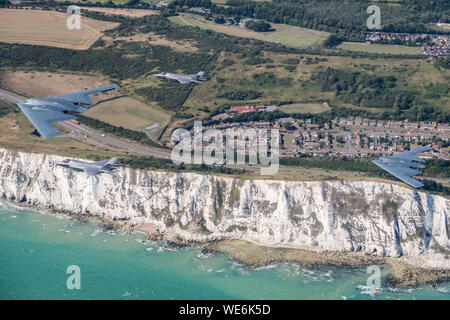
{"type": "Point", "coordinates": [401, 165]}
{"type": "Point", "coordinates": [43, 112]}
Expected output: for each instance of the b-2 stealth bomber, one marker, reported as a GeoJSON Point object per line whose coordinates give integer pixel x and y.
{"type": "Point", "coordinates": [401, 165]}
{"type": "Point", "coordinates": [43, 112]}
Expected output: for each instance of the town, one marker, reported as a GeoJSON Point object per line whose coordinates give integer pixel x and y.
{"type": "Point", "coordinates": [345, 137]}
{"type": "Point", "coordinates": [432, 44]}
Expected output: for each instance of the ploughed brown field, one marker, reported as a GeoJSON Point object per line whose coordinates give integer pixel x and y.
{"type": "Point", "coordinates": [134, 13]}
{"type": "Point", "coordinates": [49, 28]}
{"type": "Point", "coordinates": [45, 84]}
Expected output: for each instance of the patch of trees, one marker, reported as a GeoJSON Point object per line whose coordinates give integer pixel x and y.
{"type": "Point", "coordinates": [437, 168]}
{"type": "Point", "coordinates": [443, 62]}
{"type": "Point", "coordinates": [219, 19]}
{"type": "Point", "coordinates": [254, 60]}
{"type": "Point", "coordinates": [259, 26]}
{"type": "Point", "coordinates": [292, 61]}
{"type": "Point", "coordinates": [348, 19]}
{"type": "Point", "coordinates": [241, 95]}
{"type": "Point", "coordinates": [334, 163]}
{"type": "Point", "coordinates": [170, 96]}
{"type": "Point", "coordinates": [120, 61]}
{"type": "Point", "coordinates": [364, 89]}
{"type": "Point", "coordinates": [332, 41]}
{"type": "Point", "coordinates": [434, 186]}
{"type": "Point", "coordinates": [7, 108]}
{"type": "Point", "coordinates": [155, 163]}
{"type": "Point", "coordinates": [269, 79]}
{"type": "Point", "coordinates": [436, 90]}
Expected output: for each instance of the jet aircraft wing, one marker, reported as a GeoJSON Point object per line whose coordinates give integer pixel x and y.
{"type": "Point", "coordinates": [400, 174]}
{"type": "Point", "coordinates": [411, 155]}
{"type": "Point", "coordinates": [91, 171]}
{"type": "Point", "coordinates": [183, 81]}
{"type": "Point", "coordinates": [43, 119]}
{"type": "Point", "coordinates": [401, 165]}
{"type": "Point", "coordinates": [83, 96]}
{"type": "Point", "coordinates": [101, 162]}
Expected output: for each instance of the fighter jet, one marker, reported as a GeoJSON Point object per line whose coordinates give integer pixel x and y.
{"type": "Point", "coordinates": [43, 112]}
{"type": "Point", "coordinates": [401, 165]}
{"type": "Point", "coordinates": [184, 79]}
{"type": "Point", "coordinates": [91, 168]}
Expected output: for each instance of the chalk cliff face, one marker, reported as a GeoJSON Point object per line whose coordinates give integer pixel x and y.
{"type": "Point", "coordinates": [335, 215]}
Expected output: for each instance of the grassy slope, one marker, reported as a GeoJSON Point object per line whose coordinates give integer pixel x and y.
{"type": "Point", "coordinates": [380, 48]}
{"type": "Point", "coordinates": [284, 34]}
{"type": "Point", "coordinates": [411, 75]}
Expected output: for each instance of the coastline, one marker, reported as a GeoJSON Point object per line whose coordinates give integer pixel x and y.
{"type": "Point", "coordinates": [402, 275]}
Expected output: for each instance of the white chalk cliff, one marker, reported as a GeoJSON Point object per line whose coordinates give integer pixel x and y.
{"type": "Point", "coordinates": [370, 216]}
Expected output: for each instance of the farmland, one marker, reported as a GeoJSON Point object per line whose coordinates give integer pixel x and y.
{"type": "Point", "coordinates": [240, 72]}
{"type": "Point", "coordinates": [284, 34]}
{"type": "Point", "coordinates": [380, 48]}
{"type": "Point", "coordinates": [128, 113]}
{"type": "Point", "coordinates": [112, 108]}
{"type": "Point", "coordinates": [116, 2]}
{"type": "Point", "coordinates": [48, 28]}
{"type": "Point", "coordinates": [45, 84]}
{"type": "Point", "coordinates": [304, 108]}
{"type": "Point", "coordinates": [15, 134]}
{"type": "Point", "coordinates": [133, 13]}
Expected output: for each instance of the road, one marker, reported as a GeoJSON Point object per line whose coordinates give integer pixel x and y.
{"type": "Point", "coordinates": [85, 134]}
{"type": "Point", "coordinates": [88, 135]}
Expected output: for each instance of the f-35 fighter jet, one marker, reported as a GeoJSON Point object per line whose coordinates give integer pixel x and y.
{"type": "Point", "coordinates": [184, 79]}
{"type": "Point", "coordinates": [43, 112]}
{"type": "Point", "coordinates": [401, 165]}
{"type": "Point", "coordinates": [91, 168]}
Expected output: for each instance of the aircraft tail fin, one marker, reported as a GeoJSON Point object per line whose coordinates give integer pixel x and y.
{"type": "Point", "coordinates": [200, 76]}
{"type": "Point", "coordinates": [110, 165]}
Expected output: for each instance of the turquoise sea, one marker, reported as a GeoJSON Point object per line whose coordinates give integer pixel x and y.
{"type": "Point", "coordinates": [37, 248]}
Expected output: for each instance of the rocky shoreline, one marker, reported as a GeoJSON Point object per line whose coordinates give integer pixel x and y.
{"type": "Point", "coordinates": [403, 275]}
{"type": "Point", "coordinates": [346, 223]}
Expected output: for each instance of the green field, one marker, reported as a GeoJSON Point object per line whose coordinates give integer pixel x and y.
{"type": "Point", "coordinates": [128, 113]}
{"type": "Point", "coordinates": [380, 48]}
{"type": "Point", "coordinates": [442, 27]}
{"type": "Point", "coordinates": [284, 34]}
{"type": "Point", "coordinates": [117, 2]}
{"type": "Point", "coordinates": [304, 108]}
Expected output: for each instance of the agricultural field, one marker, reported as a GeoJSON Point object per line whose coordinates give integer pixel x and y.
{"type": "Point", "coordinates": [225, 1]}
{"type": "Point", "coordinates": [121, 111]}
{"type": "Point", "coordinates": [128, 113]}
{"type": "Point", "coordinates": [284, 34]}
{"type": "Point", "coordinates": [45, 84]}
{"type": "Point", "coordinates": [304, 107]}
{"type": "Point", "coordinates": [442, 27]}
{"type": "Point", "coordinates": [48, 28]}
{"type": "Point", "coordinates": [151, 38]}
{"type": "Point", "coordinates": [133, 13]}
{"type": "Point", "coordinates": [15, 134]}
{"type": "Point", "coordinates": [380, 48]}
{"type": "Point", "coordinates": [116, 2]}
